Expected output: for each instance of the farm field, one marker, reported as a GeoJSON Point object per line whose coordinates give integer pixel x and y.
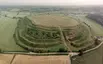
{"type": "Point", "coordinates": [6, 58]}
{"type": "Point", "coordinates": [32, 40]}
{"type": "Point", "coordinates": [50, 35]}
{"type": "Point", "coordinates": [96, 28]}
{"type": "Point", "coordinates": [26, 59]}
{"type": "Point", "coordinates": [7, 28]}
{"type": "Point", "coordinates": [23, 14]}
{"type": "Point", "coordinates": [12, 14]}
{"type": "Point", "coordinates": [40, 35]}
{"type": "Point", "coordinates": [32, 59]}
{"type": "Point", "coordinates": [93, 57]}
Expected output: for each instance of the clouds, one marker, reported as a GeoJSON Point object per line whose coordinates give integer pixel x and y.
{"type": "Point", "coordinates": [53, 2]}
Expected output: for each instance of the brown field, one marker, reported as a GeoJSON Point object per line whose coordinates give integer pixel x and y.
{"type": "Point", "coordinates": [25, 59]}
{"type": "Point", "coordinates": [55, 21]}
{"type": "Point", "coordinates": [6, 58]}
{"type": "Point", "coordinates": [28, 59]}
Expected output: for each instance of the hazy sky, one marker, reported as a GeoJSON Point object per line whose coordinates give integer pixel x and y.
{"type": "Point", "coordinates": [51, 2]}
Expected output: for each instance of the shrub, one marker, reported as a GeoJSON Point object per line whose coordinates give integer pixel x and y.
{"type": "Point", "coordinates": [62, 50]}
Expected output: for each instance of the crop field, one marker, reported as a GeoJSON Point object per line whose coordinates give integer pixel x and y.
{"type": "Point", "coordinates": [23, 14]}
{"type": "Point", "coordinates": [42, 32]}
{"type": "Point", "coordinates": [4, 12]}
{"type": "Point", "coordinates": [15, 10]}
{"type": "Point", "coordinates": [26, 59]}
{"type": "Point", "coordinates": [12, 14]}
{"type": "Point", "coordinates": [32, 59]}
{"type": "Point", "coordinates": [6, 58]}
{"type": "Point", "coordinates": [7, 28]}
{"type": "Point", "coordinates": [53, 43]}
{"type": "Point", "coordinates": [93, 57]}
{"type": "Point", "coordinates": [97, 29]}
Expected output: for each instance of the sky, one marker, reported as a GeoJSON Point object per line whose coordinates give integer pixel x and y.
{"type": "Point", "coordinates": [51, 2]}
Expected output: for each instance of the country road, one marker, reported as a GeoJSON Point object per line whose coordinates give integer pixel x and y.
{"type": "Point", "coordinates": [69, 49]}
{"type": "Point", "coordinates": [93, 48]}
{"type": "Point", "coordinates": [63, 39]}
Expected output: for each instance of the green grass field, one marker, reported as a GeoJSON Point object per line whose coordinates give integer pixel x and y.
{"type": "Point", "coordinates": [7, 28]}
{"type": "Point", "coordinates": [97, 29]}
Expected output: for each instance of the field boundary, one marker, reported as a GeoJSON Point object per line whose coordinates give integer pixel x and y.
{"type": "Point", "coordinates": [93, 48]}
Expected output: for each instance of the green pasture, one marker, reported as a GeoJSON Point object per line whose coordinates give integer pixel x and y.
{"type": "Point", "coordinates": [96, 29]}
{"type": "Point", "coordinates": [7, 28]}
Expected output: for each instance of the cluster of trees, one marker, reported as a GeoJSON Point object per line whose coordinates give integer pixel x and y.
{"type": "Point", "coordinates": [97, 42]}
{"type": "Point", "coordinates": [62, 50]}
{"type": "Point", "coordinates": [39, 34]}
{"type": "Point", "coordinates": [45, 51]}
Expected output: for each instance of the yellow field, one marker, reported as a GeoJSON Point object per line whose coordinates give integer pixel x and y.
{"type": "Point", "coordinates": [28, 59]}
{"type": "Point", "coordinates": [25, 59]}
{"type": "Point", "coordinates": [6, 58]}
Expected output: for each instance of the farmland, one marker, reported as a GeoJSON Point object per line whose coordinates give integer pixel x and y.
{"type": "Point", "coordinates": [95, 56]}
{"type": "Point", "coordinates": [7, 28]}
{"type": "Point", "coordinates": [39, 31]}
{"type": "Point", "coordinates": [51, 33]}
{"type": "Point", "coordinates": [32, 59]}
{"type": "Point", "coordinates": [97, 29]}
{"type": "Point", "coordinates": [6, 58]}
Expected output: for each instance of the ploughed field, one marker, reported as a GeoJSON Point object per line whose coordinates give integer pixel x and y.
{"type": "Point", "coordinates": [41, 34]}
